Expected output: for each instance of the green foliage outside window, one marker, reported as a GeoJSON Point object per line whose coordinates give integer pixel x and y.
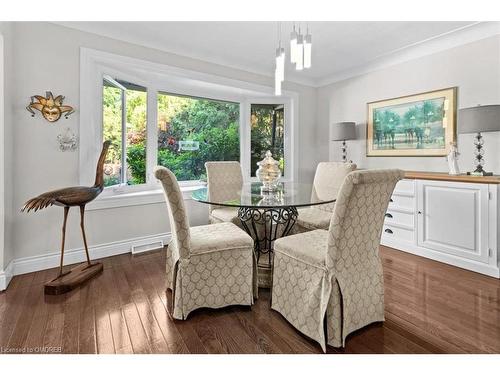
{"type": "Point", "coordinates": [213, 124]}
{"type": "Point", "coordinates": [261, 135]}
{"type": "Point", "coordinates": [136, 112]}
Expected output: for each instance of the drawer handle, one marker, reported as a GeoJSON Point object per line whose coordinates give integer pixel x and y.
{"type": "Point", "coordinates": [388, 215]}
{"type": "Point", "coordinates": [388, 231]}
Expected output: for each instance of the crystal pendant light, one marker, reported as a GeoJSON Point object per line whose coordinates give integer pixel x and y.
{"type": "Point", "coordinates": [307, 50]}
{"type": "Point", "coordinates": [299, 63]}
{"type": "Point", "coordinates": [280, 63]}
{"type": "Point", "coordinates": [277, 83]}
{"type": "Point", "coordinates": [293, 46]}
{"type": "Point", "coordinates": [279, 72]}
{"type": "Point", "coordinates": [300, 54]}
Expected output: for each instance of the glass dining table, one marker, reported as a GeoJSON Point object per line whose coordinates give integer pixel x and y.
{"type": "Point", "coordinates": [266, 216]}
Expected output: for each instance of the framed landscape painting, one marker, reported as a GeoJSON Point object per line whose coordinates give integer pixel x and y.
{"type": "Point", "coordinates": [416, 125]}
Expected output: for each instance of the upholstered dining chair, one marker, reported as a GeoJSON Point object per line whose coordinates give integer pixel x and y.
{"type": "Point", "coordinates": [326, 185]}
{"type": "Point", "coordinates": [224, 180]}
{"type": "Point", "coordinates": [335, 277]}
{"type": "Point", "coordinates": [207, 266]}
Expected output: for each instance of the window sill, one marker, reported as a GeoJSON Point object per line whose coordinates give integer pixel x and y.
{"type": "Point", "coordinates": [138, 198]}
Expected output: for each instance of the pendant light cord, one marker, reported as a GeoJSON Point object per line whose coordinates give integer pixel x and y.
{"type": "Point", "coordinates": [279, 34]}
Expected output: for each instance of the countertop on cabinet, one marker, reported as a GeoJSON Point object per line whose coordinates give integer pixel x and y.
{"type": "Point", "coordinates": [443, 176]}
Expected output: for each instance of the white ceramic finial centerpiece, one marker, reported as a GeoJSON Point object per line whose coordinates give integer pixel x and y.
{"type": "Point", "coordinates": [268, 173]}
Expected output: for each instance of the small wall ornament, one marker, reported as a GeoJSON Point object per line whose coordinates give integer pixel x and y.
{"type": "Point", "coordinates": [67, 141]}
{"type": "Point", "coordinates": [51, 108]}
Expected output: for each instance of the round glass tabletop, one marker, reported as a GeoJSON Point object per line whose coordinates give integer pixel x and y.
{"type": "Point", "coordinates": [287, 194]}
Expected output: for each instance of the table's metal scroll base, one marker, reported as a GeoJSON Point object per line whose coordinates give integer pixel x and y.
{"type": "Point", "coordinates": [266, 225]}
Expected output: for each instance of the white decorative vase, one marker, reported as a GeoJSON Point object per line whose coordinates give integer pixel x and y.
{"type": "Point", "coordinates": [268, 173]}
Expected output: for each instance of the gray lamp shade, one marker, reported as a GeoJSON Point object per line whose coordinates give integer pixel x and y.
{"type": "Point", "coordinates": [343, 131]}
{"type": "Point", "coordinates": [484, 118]}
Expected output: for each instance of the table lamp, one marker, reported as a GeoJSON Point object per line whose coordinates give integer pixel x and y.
{"type": "Point", "coordinates": [343, 131]}
{"type": "Point", "coordinates": [480, 119]}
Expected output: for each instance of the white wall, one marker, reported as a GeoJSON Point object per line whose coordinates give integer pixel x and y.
{"type": "Point", "coordinates": [2, 155]}
{"type": "Point", "coordinates": [6, 147]}
{"type": "Point", "coordinates": [474, 68]}
{"type": "Point", "coordinates": [53, 64]}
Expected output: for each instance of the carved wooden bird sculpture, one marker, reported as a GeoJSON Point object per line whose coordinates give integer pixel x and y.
{"type": "Point", "coordinates": [72, 197]}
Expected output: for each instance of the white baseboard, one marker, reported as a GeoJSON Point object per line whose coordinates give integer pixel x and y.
{"type": "Point", "coordinates": [6, 275]}
{"type": "Point", "coordinates": [41, 262]}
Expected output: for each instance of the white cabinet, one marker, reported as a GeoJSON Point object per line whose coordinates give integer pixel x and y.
{"type": "Point", "coordinates": [453, 218]}
{"type": "Point", "coordinates": [452, 222]}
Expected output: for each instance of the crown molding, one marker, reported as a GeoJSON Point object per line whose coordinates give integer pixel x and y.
{"type": "Point", "coordinates": [446, 41]}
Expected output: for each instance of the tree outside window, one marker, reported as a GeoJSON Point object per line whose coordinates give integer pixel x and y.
{"type": "Point", "coordinates": [191, 131]}
{"type": "Point", "coordinates": [267, 123]}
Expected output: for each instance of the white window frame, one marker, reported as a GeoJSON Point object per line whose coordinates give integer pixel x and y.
{"type": "Point", "coordinates": [163, 78]}
{"type": "Point", "coordinates": [289, 147]}
{"type": "Point", "coordinates": [125, 77]}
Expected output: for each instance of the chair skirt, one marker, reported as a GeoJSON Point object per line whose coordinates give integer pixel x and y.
{"type": "Point", "coordinates": [309, 296]}
{"type": "Point", "coordinates": [213, 279]}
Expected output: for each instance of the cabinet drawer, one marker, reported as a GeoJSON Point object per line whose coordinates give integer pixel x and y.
{"type": "Point", "coordinates": [405, 187]}
{"type": "Point", "coordinates": [402, 201]}
{"type": "Point", "coordinates": [399, 218]}
{"type": "Point", "coordinates": [396, 233]}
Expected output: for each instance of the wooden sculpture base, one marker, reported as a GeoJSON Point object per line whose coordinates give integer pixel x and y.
{"type": "Point", "coordinates": [73, 279]}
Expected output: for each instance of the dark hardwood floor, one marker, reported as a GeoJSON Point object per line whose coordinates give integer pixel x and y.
{"type": "Point", "coordinates": [430, 308]}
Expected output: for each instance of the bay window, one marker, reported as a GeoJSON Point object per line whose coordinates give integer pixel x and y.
{"type": "Point", "coordinates": [157, 115]}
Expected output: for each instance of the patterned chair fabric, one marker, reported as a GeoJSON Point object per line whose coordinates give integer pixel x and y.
{"type": "Point", "coordinates": [312, 218]}
{"type": "Point", "coordinates": [224, 215]}
{"type": "Point", "coordinates": [224, 180]}
{"type": "Point", "coordinates": [207, 266]}
{"type": "Point", "coordinates": [327, 182]}
{"type": "Point", "coordinates": [337, 273]}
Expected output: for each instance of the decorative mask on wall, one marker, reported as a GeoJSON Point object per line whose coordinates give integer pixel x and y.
{"type": "Point", "coordinates": [51, 108]}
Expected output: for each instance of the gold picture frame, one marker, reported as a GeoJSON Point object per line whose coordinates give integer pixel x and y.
{"type": "Point", "coordinates": [415, 125]}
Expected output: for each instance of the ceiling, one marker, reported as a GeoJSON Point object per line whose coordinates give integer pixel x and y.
{"type": "Point", "coordinates": [337, 46]}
